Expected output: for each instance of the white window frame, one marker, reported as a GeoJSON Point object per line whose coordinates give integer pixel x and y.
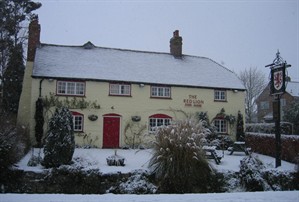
{"type": "Point", "coordinates": [220, 95]}
{"type": "Point", "coordinates": [78, 121]}
{"type": "Point", "coordinates": [75, 88]}
{"type": "Point", "coordinates": [158, 120]}
{"type": "Point", "coordinates": [221, 125]}
{"type": "Point", "coordinates": [120, 89]}
{"type": "Point", "coordinates": [160, 92]}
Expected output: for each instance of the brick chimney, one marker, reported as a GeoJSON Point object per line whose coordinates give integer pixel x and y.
{"type": "Point", "coordinates": [33, 39]}
{"type": "Point", "coordinates": [176, 45]}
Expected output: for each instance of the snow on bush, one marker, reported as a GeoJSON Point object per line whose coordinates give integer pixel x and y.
{"type": "Point", "coordinates": [251, 174]}
{"type": "Point", "coordinates": [14, 142]}
{"type": "Point", "coordinates": [138, 183]}
{"type": "Point", "coordinates": [178, 160]}
{"type": "Point", "coordinates": [60, 141]}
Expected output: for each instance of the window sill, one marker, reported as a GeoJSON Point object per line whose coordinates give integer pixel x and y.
{"type": "Point", "coordinates": [220, 100]}
{"type": "Point", "coordinates": [69, 95]}
{"type": "Point", "coordinates": [120, 95]}
{"type": "Point", "coordinates": [163, 98]}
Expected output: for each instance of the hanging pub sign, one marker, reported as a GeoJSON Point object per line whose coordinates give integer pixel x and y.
{"type": "Point", "coordinates": [278, 80]}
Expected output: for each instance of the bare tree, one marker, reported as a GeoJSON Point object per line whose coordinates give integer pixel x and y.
{"type": "Point", "coordinates": [254, 81]}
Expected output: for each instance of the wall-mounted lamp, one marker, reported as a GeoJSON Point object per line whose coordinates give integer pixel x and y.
{"type": "Point", "coordinates": [141, 85]}
{"type": "Point", "coordinates": [50, 80]}
{"type": "Point", "coordinates": [235, 91]}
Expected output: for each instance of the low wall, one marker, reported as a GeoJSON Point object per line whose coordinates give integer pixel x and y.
{"type": "Point", "coordinates": [265, 144]}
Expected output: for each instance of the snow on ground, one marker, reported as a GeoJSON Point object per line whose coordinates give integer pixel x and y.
{"type": "Point", "coordinates": [139, 159]}
{"type": "Point", "coordinates": [279, 196]}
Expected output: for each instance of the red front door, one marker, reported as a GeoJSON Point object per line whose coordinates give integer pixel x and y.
{"type": "Point", "coordinates": [111, 132]}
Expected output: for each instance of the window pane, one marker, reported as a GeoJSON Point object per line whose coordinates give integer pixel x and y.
{"type": "Point", "coordinates": [154, 91]}
{"type": "Point", "coordinates": [220, 125]}
{"type": "Point", "coordinates": [70, 88]}
{"type": "Point", "coordinates": [80, 88]}
{"type": "Point", "coordinates": [125, 89]}
{"type": "Point", "coordinates": [152, 124]}
{"type": "Point", "coordinates": [78, 123]}
{"type": "Point", "coordinates": [160, 92]}
{"type": "Point", "coordinates": [114, 88]}
{"type": "Point", "coordinates": [219, 95]}
{"type": "Point", "coordinates": [160, 122]}
{"type": "Point", "coordinates": [61, 87]}
{"type": "Point", "coordinates": [167, 92]}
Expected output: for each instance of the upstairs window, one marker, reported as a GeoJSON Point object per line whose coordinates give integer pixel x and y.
{"type": "Point", "coordinates": [219, 95]}
{"type": "Point", "coordinates": [221, 125]}
{"type": "Point", "coordinates": [120, 89]}
{"type": "Point", "coordinates": [158, 120]}
{"type": "Point", "coordinates": [71, 88]}
{"type": "Point", "coordinates": [78, 120]}
{"type": "Point", "coordinates": [160, 92]}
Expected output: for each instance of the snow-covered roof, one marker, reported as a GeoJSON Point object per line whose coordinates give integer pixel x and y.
{"type": "Point", "coordinates": [96, 63]}
{"type": "Point", "coordinates": [293, 88]}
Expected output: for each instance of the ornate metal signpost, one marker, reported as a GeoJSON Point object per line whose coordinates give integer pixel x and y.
{"type": "Point", "coordinates": [277, 88]}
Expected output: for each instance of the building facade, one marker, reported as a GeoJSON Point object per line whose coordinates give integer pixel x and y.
{"type": "Point", "coordinates": [265, 101]}
{"type": "Point", "coordinates": [119, 97]}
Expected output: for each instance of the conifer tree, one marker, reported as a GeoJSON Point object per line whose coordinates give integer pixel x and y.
{"type": "Point", "coordinates": [12, 79]}
{"type": "Point", "coordinates": [13, 15]}
{"type": "Point", "coordinates": [60, 141]}
{"type": "Point", "coordinates": [240, 127]}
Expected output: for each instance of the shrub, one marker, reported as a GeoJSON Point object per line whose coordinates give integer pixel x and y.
{"type": "Point", "coordinates": [14, 142]}
{"type": "Point", "coordinates": [60, 141]}
{"type": "Point", "coordinates": [251, 174]}
{"type": "Point", "coordinates": [137, 183]}
{"type": "Point", "coordinates": [178, 161]}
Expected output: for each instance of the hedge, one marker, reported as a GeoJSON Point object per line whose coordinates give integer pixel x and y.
{"type": "Point", "coordinates": [265, 144]}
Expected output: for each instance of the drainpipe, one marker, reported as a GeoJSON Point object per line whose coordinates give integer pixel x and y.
{"type": "Point", "coordinates": [40, 87]}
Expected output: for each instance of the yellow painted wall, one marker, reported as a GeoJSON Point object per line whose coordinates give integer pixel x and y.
{"type": "Point", "coordinates": [139, 104]}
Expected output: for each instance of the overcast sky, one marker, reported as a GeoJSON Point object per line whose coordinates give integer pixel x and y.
{"type": "Point", "coordinates": [238, 33]}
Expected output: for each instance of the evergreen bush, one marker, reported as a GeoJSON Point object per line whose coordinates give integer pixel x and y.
{"type": "Point", "coordinates": [251, 175]}
{"type": "Point", "coordinates": [178, 161]}
{"type": "Point", "coordinates": [14, 144]}
{"type": "Point", "coordinates": [60, 142]}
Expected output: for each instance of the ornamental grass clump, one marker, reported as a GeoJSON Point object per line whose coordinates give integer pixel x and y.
{"type": "Point", "coordinates": [178, 161]}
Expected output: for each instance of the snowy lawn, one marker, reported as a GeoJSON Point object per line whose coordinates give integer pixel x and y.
{"type": "Point", "coordinates": [286, 196]}
{"type": "Point", "coordinates": [139, 159]}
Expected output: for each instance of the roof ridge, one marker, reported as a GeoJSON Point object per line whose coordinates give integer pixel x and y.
{"type": "Point", "coordinates": [129, 50]}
